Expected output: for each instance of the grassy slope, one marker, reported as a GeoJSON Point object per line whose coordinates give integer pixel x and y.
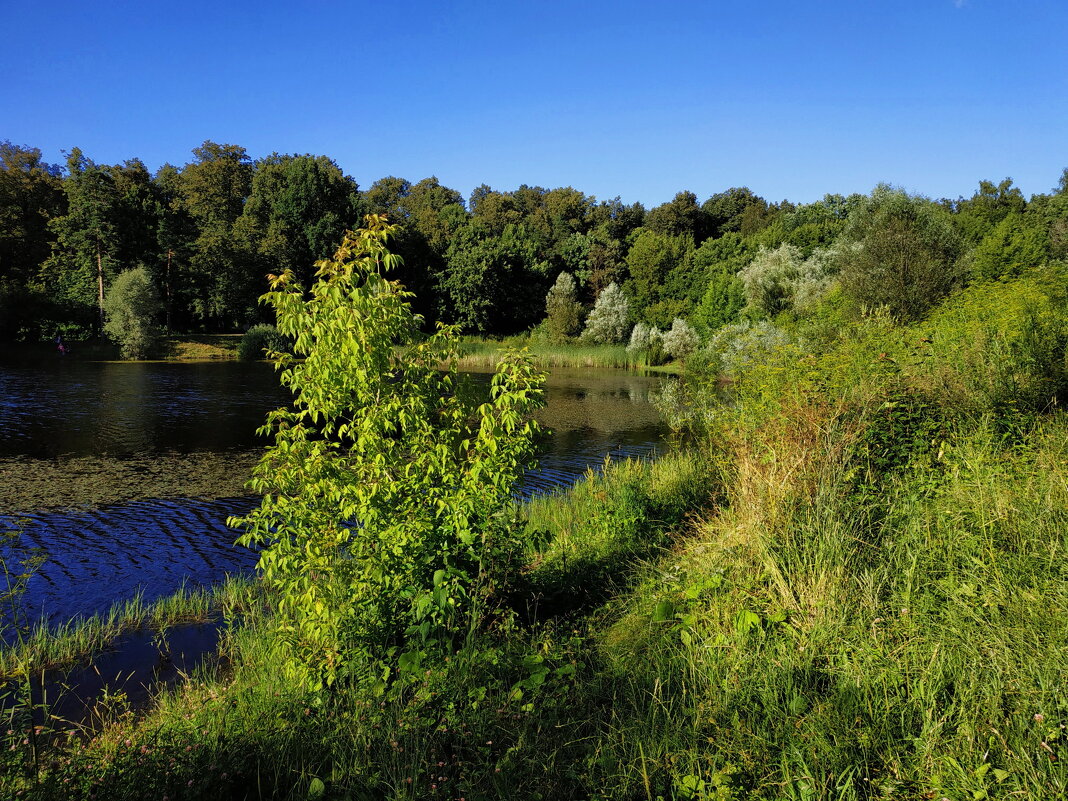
{"type": "Point", "coordinates": [855, 590]}
{"type": "Point", "coordinates": [799, 640]}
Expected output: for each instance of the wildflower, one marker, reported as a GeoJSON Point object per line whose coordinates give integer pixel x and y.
{"type": "Point", "coordinates": [1039, 717]}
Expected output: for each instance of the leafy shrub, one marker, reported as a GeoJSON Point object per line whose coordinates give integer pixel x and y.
{"type": "Point", "coordinates": [1016, 244]}
{"type": "Point", "coordinates": [258, 340]}
{"type": "Point", "coordinates": [563, 311]}
{"type": "Point", "coordinates": [723, 300]}
{"type": "Point", "coordinates": [386, 523]}
{"type": "Point", "coordinates": [681, 340]}
{"type": "Point", "coordinates": [998, 346]}
{"type": "Point", "coordinates": [737, 347]}
{"type": "Point", "coordinates": [610, 318]}
{"type": "Point", "coordinates": [905, 254]}
{"type": "Point", "coordinates": [130, 309]}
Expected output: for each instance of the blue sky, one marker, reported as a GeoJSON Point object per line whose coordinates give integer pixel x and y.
{"type": "Point", "coordinates": [793, 99]}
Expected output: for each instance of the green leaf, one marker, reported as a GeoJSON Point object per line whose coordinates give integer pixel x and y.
{"type": "Point", "coordinates": [664, 611]}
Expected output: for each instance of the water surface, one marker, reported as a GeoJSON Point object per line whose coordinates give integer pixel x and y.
{"type": "Point", "coordinates": [124, 473]}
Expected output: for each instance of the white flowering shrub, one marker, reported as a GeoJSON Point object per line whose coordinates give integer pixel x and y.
{"type": "Point", "coordinates": [735, 347]}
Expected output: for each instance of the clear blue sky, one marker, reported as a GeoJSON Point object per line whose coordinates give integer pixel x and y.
{"type": "Point", "coordinates": [791, 98]}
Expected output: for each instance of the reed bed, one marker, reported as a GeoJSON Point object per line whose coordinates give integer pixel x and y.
{"type": "Point", "coordinates": [485, 353]}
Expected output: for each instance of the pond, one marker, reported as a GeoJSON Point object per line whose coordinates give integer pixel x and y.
{"type": "Point", "coordinates": [123, 474]}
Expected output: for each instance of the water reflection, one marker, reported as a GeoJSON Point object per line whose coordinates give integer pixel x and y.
{"type": "Point", "coordinates": [129, 443]}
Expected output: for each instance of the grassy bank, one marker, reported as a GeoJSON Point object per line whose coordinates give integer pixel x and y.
{"type": "Point", "coordinates": [183, 347]}
{"type": "Point", "coordinates": [851, 586]}
{"type": "Point", "coordinates": [753, 623]}
{"type": "Point", "coordinates": [794, 638]}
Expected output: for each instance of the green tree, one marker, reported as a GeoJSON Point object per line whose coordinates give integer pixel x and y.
{"type": "Point", "coordinates": [492, 284]}
{"type": "Point", "coordinates": [679, 217]}
{"type": "Point", "coordinates": [85, 256]}
{"type": "Point", "coordinates": [723, 300]}
{"type": "Point", "coordinates": [176, 235]}
{"type": "Point", "coordinates": [213, 191]}
{"type": "Point", "coordinates": [31, 194]}
{"type": "Point", "coordinates": [737, 210]}
{"type": "Point", "coordinates": [660, 269]}
{"type": "Point", "coordinates": [1019, 241]}
{"type": "Point", "coordinates": [387, 524]}
{"type": "Point", "coordinates": [905, 255]}
{"type": "Point", "coordinates": [992, 203]}
{"type": "Point", "coordinates": [297, 210]}
{"type": "Point", "coordinates": [131, 307]}
{"type": "Point", "coordinates": [563, 313]}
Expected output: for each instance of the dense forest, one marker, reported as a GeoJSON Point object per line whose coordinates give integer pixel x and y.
{"type": "Point", "coordinates": [207, 234]}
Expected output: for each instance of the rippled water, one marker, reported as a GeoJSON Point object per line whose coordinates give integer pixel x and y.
{"type": "Point", "coordinates": [129, 443]}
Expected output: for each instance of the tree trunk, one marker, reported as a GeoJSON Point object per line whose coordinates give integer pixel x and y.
{"type": "Point", "coordinates": [100, 282]}
{"type": "Point", "coordinates": [168, 282]}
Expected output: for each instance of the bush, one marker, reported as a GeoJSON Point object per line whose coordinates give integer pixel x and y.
{"type": "Point", "coordinates": [610, 318]}
{"type": "Point", "coordinates": [905, 254]}
{"type": "Point", "coordinates": [1015, 245]}
{"type": "Point", "coordinates": [642, 337]}
{"type": "Point", "coordinates": [563, 313]}
{"type": "Point", "coordinates": [258, 340]}
{"type": "Point", "coordinates": [735, 348]}
{"type": "Point", "coordinates": [999, 346]}
{"type": "Point", "coordinates": [386, 524]}
{"type": "Point", "coordinates": [130, 308]}
{"type": "Point", "coordinates": [681, 340]}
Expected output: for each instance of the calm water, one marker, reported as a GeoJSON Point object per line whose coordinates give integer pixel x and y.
{"type": "Point", "coordinates": [170, 444]}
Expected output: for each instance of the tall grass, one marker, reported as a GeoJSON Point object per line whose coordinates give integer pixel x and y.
{"type": "Point", "coordinates": [854, 588]}
{"type": "Point", "coordinates": [45, 646]}
{"type": "Point", "coordinates": [484, 353]}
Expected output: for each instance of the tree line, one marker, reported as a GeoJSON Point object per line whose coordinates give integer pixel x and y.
{"type": "Point", "coordinates": [208, 233]}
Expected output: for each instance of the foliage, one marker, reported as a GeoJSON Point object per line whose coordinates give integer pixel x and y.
{"type": "Point", "coordinates": [492, 283]}
{"type": "Point", "coordinates": [131, 307]}
{"type": "Point", "coordinates": [223, 271]}
{"type": "Point", "coordinates": [1017, 243]}
{"type": "Point", "coordinates": [723, 300]}
{"type": "Point", "coordinates": [609, 320]}
{"type": "Point", "coordinates": [260, 341]}
{"type": "Point", "coordinates": [734, 348]}
{"type": "Point", "coordinates": [905, 255]}
{"type": "Point", "coordinates": [660, 269]}
{"type": "Point", "coordinates": [384, 525]}
{"type": "Point", "coordinates": [563, 312]}
{"type": "Point", "coordinates": [779, 280]}
{"type": "Point", "coordinates": [681, 340]}
{"type": "Point", "coordinates": [297, 209]}
{"type": "Point", "coordinates": [999, 347]}
{"type": "Point", "coordinates": [642, 336]}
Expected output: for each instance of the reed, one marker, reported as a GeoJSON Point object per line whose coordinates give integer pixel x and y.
{"type": "Point", "coordinates": [485, 353]}
{"type": "Point", "coordinates": [46, 646]}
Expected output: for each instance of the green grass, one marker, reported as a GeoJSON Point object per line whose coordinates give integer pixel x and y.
{"type": "Point", "coordinates": [191, 347]}
{"type": "Point", "coordinates": [46, 647]}
{"type": "Point", "coordinates": [763, 619]}
{"type": "Point", "coordinates": [484, 353]}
